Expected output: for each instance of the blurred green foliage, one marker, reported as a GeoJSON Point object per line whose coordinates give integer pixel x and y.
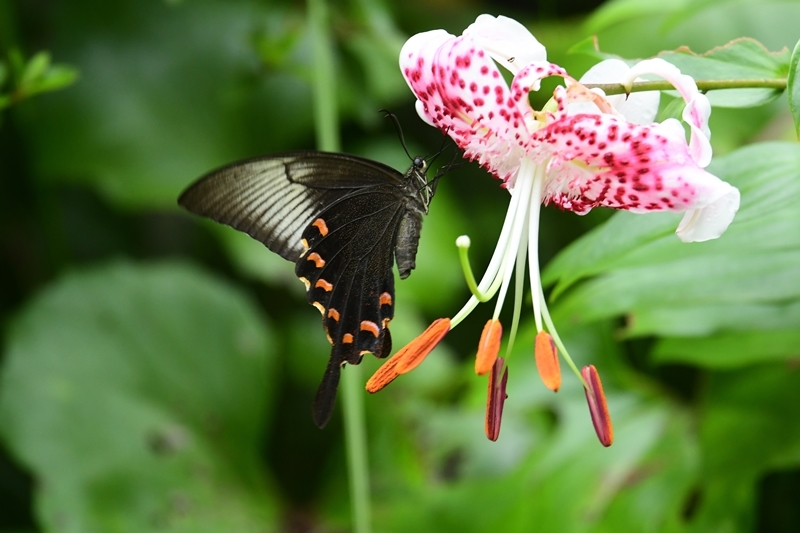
{"type": "Point", "coordinates": [157, 371]}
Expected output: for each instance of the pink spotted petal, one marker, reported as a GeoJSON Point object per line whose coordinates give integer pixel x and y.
{"type": "Point", "coordinates": [599, 160]}
{"type": "Point", "coordinates": [530, 78]}
{"type": "Point", "coordinates": [507, 41]}
{"type": "Point", "coordinates": [416, 61]}
{"type": "Point", "coordinates": [639, 107]}
{"type": "Point", "coordinates": [697, 110]}
{"type": "Point", "coordinates": [477, 108]}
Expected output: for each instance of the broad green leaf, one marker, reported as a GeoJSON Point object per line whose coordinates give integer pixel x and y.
{"type": "Point", "coordinates": [742, 59]}
{"type": "Point", "coordinates": [793, 90]}
{"type": "Point", "coordinates": [136, 395]}
{"type": "Point", "coordinates": [615, 11]}
{"type": "Point", "coordinates": [749, 424]}
{"type": "Point", "coordinates": [645, 272]}
{"type": "Point", "coordinates": [730, 278]}
{"type": "Point", "coordinates": [587, 46]}
{"type": "Point", "coordinates": [705, 319]}
{"type": "Point", "coordinates": [732, 349]}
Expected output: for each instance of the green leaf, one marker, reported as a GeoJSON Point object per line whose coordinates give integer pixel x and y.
{"type": "Point", "coordinates": [742, 59]}
{"type": "Point", "coordinates": [34, 69]}
{"type": "Point", "coordinates": [136, 395]}
{"type": "Point", "coordinates": [587, 46]}
{"type": "Point", "coordinates": [749, 425]}
{"type": "Point", "coordinates": [793, 90]}
{"type": "Point", "coordinates": [646, 273]}
{"type": "Point", "coordinates": [616, 11]}
{"type": "Point", "coordinates": [56, 78]}
{"type": "Point", "coordinates": [732, 349]}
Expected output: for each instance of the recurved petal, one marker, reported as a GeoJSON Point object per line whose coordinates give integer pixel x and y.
{"type": "Point", "coordinates": [713, 214]}
{"type": "Point", "coordinates": [507, 41]}
{"type": "Point", "coordinates": [638, 107]}
{"type": "Point", "coordinates": [599, 160]}
{"type": "Point", "coordinates": [697, 110]}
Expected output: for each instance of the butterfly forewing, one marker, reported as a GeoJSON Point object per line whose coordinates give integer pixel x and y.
{"type": "Point", "coordinates": [274, 198]}
{"type": "Point", "coordinates": [337, 217]}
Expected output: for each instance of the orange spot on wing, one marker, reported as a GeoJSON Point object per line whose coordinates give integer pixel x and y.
{"type": "Point", "coordinates": [321, 226]}
{"type": "Point", "coordinates": [347, 339]}
{"type": "Point", "coordinates": [327, 287]}
{"type": "Point", "coordinates": [386, 299]}
{"type": "Point", "coordinates": [372, 327]}
{"type": "Point", "coordinates": [319, 262]}
{"type": "Point", "coordinates": [334, 314]}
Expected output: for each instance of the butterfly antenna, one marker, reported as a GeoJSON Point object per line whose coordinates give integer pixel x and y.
{"type": "Point", "coordinates": [444, 169]}
{"type": "Point", "coordinates": [392, 116]}
{"type": "Point", "coordinates": [442, 147]}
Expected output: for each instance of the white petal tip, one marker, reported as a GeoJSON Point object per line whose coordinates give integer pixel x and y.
{"type": "Point", "coordinates": [710, 221]}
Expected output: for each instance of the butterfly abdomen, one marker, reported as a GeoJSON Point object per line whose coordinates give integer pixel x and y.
{"type": "Point", "coordinates": [407, 242]}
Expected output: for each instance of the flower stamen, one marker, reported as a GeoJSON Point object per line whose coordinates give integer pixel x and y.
{"type": "Point", "coordinates": [488, 346]}
{"type": "Point", "coordinates": [410, 356]}
{"type": "Point", "coordinates": [598, 408]}
{"type": "Point", "coordinates": [546, 355]}
{"type": "Point", "coordinates": [495, 400]}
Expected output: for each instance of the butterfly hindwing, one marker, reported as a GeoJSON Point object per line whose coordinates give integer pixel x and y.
{"type": "Point", "coordinates": [348, 271]}
{"type": "Point", "coordinates": [343, 220]}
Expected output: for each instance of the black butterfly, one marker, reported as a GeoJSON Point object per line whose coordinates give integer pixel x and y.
{"type": "Point", "coordinates": [343, 220]}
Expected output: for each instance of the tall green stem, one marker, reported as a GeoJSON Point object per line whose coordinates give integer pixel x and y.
{"type": "Point", "coordinates": [327, 130]}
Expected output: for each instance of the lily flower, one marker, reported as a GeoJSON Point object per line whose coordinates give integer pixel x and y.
{"type": "Point", "coordinates": [582, 150]}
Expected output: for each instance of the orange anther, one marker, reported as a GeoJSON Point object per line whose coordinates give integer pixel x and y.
{"type": "Point", "coordinates": [547, 363]}
{"type": "Point", "coordinates": [488, 346]}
